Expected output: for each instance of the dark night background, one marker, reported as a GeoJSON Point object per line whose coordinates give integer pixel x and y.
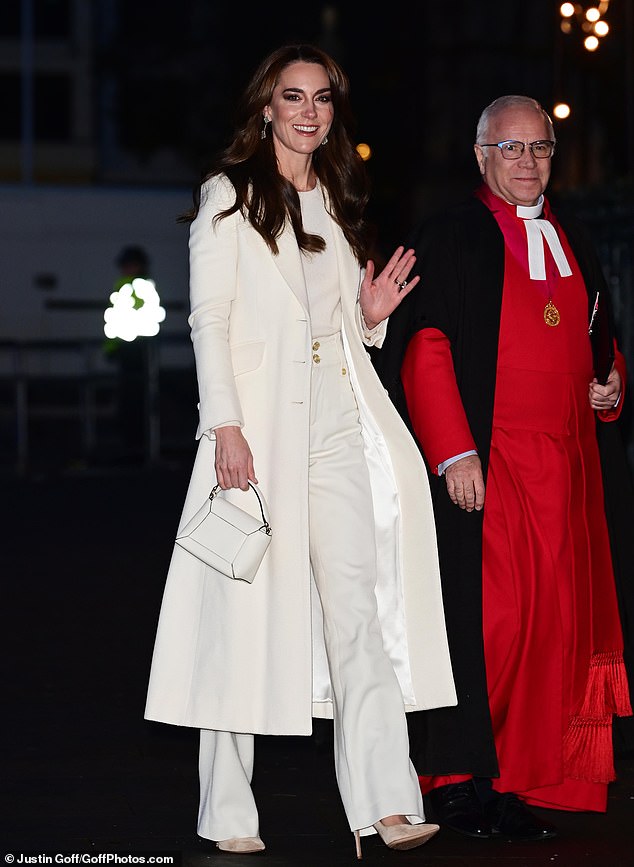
{"type": "Point", "coordinates": [134, 97]}
{"type": "Point", "coordinates": [166, 73]}
{"type": "Point", "coordinates": [109, 111]}
{"type": "Point", "coordinates": [420, 75]}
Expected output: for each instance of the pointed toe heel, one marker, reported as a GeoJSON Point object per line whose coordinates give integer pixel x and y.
{"type": "Point", "coordinates": [241, 845]}
{"type": "Point", "coordinates": [405, 836]}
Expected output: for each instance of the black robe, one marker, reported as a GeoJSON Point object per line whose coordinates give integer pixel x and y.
{"type": "Point", "coordinates": [460, 257]}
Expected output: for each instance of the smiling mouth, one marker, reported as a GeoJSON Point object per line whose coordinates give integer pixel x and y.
{"type": "Point", "coordinates": [299, 128]}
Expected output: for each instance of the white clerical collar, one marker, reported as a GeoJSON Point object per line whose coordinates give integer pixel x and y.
{"type": "Point", "coordinates": [529, 212]}
{"type": "Point", "coordinates": [536, 230]}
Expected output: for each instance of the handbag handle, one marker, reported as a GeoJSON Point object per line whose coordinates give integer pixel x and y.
{"type": "Point", "coordinates": [267, 527]}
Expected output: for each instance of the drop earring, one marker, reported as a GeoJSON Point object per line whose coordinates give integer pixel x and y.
{"type": "Point", "coordinates": [267, 121]}
{"type": "Point", "coordinates": [324, 139]}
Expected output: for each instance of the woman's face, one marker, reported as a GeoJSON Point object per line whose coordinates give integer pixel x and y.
{"type": "Point", "coordinates": [300, 110]}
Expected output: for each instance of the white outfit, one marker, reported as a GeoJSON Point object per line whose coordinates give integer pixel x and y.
{"type": "Point", "coordinates": [374, 773]}
{"type": "Point", "coordinates": [320, 271]}
{"type": "Point", "coordinates": [338, 467]}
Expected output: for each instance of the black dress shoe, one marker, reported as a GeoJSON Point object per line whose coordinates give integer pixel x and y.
{"type": "Point", "coordinates": [458, 807]}
{"type": "Point", "coordinates": [511, 820]}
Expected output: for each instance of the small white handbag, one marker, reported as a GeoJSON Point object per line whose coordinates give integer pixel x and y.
{"type": "Point", "coordinates": [227, 538]}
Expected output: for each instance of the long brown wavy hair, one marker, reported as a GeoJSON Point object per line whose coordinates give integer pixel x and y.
{"type": "Point", "coordinates": [263, 195]}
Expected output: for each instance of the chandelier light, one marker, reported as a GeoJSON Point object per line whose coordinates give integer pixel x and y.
{"type": "Point", "coordinates": [561, 110]}
{"type": "Point", "coordinates": [588, 19]}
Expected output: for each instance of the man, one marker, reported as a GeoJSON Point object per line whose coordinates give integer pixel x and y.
{"type": "Point", "coordinates": [501, 361]}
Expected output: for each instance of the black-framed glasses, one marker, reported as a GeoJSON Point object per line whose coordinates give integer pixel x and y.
{"type": "Point", "coordinates": [513, 150]}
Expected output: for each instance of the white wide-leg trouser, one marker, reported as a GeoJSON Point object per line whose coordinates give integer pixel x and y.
{"type": "Point", "coordinates": [374, 773]}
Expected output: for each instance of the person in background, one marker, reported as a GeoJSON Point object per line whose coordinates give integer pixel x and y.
{"type": "Point", "coordinates": [284, 305]}
{"type": "Point", "coordinates": [132, 261]}
{"type": "Point", "coordinates": [501, 362]}
{"type": "Point", "coordinates": [131, 360]}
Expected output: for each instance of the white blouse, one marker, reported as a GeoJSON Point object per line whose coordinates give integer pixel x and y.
{"type": "Point", "coordinates": [320, 269]}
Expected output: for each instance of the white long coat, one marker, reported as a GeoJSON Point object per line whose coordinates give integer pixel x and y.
{"type": "Point", "coordinates": [250, 657]}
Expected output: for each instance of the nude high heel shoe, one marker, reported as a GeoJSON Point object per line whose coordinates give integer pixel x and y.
{"type": "Point", "coordinates": [402, 836]}
{"type": "Point", "coordinates": [241, 845]}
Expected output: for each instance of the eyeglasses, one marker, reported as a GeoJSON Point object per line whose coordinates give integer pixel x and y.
{"type": "Point", "coordinates": [513, 150]}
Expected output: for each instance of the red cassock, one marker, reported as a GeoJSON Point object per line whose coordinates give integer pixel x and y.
{"type": "Point", "coordinates": [552, 635]}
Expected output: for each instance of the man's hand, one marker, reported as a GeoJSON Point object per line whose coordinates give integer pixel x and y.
{"type": "Point", "coordinates": [603, 397]}
{"type": "Point", "coordinates": [465, 483]}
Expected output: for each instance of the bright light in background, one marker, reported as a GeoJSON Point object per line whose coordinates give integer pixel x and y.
{"type": "Point", "coordinates": [589, 21]}
{"type": "Point", "coordinates": [127, 321]}
{"type": "Point", "coordinates": [561, 110]}
{"type": "Point", "coordinates": [364, 151]}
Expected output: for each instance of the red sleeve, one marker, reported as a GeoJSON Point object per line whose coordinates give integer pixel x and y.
{"type": "Point", "coordinates": [619, 363]}
{"type": "Point", "coordinates": [433, 400]}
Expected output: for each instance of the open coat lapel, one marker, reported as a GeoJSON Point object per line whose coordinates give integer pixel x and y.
{"type": "Point", "coordinates": [289, 264]}
{"type": "Point", "coordinates": [349, 275]}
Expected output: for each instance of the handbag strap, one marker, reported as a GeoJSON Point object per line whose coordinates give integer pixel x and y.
{"type": "Point", "coordinates": [263, 507]}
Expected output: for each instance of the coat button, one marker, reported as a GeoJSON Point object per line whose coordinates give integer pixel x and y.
{"type": "Point", "coordinates": [316, 345]}
{"type": "Point", "coordinates": [316, 358]}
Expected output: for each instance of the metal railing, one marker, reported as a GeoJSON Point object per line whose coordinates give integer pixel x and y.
{"type": "Point", "coordinates": [69, 380]}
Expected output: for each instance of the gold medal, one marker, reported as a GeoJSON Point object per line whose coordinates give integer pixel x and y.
{"type": "Point", "coordinates": [551, 314]}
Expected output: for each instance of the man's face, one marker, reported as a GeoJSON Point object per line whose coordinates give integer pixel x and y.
{"type": "Point", "coordinates": [521, 181]}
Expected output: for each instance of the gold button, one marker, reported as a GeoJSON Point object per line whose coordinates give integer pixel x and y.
{"type": "Point", "coordinates": [343, 371]}
{"type": "Point", "coordinates": [316, 358]}
{"type": "Point", "coordinates": [316, 345]}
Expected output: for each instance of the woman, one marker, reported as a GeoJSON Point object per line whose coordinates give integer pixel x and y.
{"type": "Point", "coordinates": [281, 313]}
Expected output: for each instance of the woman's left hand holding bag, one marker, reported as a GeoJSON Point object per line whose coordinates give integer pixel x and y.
{"type": "Point", "coordinates": [234, 461]}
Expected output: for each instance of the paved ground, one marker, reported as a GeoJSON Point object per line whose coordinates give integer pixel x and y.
{"type": "Point", "coordinates": [84, 556]}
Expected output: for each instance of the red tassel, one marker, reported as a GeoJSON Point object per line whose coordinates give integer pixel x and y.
{"type": "Point", "coordinates": [607, 689]}
{"type": "Point", "coordinates": [588, 750]}
{"type": "Point", "coordinates": [588, 753]}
